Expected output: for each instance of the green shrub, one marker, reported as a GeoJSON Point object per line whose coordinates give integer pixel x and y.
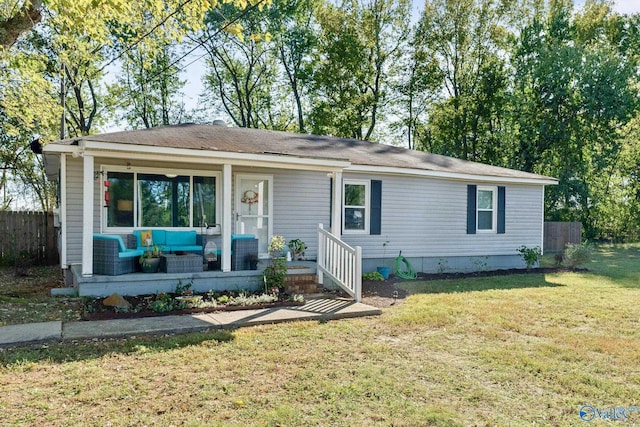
{"type": "Point", "coordinates": [374, 275]}
{"type": "Point", "coordinates": [531, 256]}
{"type": "Point", "coordinates": [276, 272]}
{"type": "Point", "coordinates": [577, 254]}
{"type": "Point", "coordinates": [274, 275]}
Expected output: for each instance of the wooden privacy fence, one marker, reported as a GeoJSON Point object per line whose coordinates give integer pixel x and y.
{"type": "Point", "coordinates": [28, 236]}
{"type": "Point", "coordinates": [558, 234]}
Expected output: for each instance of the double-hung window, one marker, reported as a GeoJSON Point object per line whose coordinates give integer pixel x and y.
{"type": "Point", "coordinates": [150, 198]}
{"type": "Point", "coordinates": [487, 209]}
{"type": "Point", "coordinates": [356, 205]}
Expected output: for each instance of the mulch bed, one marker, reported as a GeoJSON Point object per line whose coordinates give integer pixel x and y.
{"type": "Point", "coordinates": [385, 293]}
{"type": "Point", "coordinates": [140, 307]}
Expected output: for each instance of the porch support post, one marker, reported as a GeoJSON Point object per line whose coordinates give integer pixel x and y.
{"type": "Point", "coordinates": [62, 206]}
{"type": "Point", "coordinates": [87, 216]}
{"type": "Point", "coordinates": [336, 214]}
{"type": "Point", "coordinates": [227, 217]}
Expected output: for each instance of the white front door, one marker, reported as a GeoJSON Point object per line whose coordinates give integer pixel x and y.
{"type": "Point", "coordinates": [254, 205]}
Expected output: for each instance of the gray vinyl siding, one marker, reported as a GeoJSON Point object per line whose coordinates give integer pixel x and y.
{"type": "Point", "coordinates": [301, 202]}
{"type": "Point", "coordinates": [422, 217]}
{"type": "Point", "coordinates": [425, 217]}
{"type": "Point", "coordinates": [74, 210]}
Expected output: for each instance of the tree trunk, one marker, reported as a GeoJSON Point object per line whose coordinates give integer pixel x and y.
{"type": "Point", "coordinates": [23, 21]}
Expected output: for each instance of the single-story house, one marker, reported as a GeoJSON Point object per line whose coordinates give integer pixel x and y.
{"type": "Point", "coordinates": [444, 214]}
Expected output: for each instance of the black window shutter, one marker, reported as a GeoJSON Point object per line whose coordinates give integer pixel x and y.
{"type": "Point", "coordinates": [501, 210]}
{"type": "Point", "coordinates": [375, 223]}
{"type": "Point", "coordinates": [471, 208]}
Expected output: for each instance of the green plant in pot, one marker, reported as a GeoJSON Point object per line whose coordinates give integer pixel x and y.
{"type": "Point", "coordinates": [276, 271]}
{"type": "Point", "coordinates": [297, 248]}
{"type": "Point", "coordinates": [150, 259]}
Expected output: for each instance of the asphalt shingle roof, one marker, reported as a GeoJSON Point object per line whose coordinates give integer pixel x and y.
{"type": "Point", "coordinates": [258, 141]}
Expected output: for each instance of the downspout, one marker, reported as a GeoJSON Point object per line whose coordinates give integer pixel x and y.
{"type": "Point", "coordinates": [542, 230]}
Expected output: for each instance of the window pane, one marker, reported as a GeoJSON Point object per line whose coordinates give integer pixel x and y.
{"type": "Point", "coordinates": [485, 199]}
{"type": "Point", "coordinates": [354, 195]}
{"type": "Point", "coordinates": [163, 201]}
{"type": "Point", "coordinates": [354, 219]}
{"type": "Point", "coordinates": [485, 220]}
{"type": "Point", "coordinates": [204, 201]}
{"type": "Point", "coordinates": [120, 211]}
{"type": "Point", "coordinates": [254, 197]}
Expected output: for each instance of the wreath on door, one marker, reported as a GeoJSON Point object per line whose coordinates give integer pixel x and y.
{"type": "Point", "coordinates": [249, 197]}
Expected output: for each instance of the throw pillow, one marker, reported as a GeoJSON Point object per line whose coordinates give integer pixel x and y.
{"type": "Point", "coordinates": [145, 238]}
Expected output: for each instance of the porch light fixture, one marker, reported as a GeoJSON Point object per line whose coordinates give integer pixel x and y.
{"type": "Point", "coordinates": [170, 175]}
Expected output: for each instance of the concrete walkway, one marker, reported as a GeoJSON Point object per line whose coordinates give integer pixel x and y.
{"type": "Point", "coordinates": [314, 309]}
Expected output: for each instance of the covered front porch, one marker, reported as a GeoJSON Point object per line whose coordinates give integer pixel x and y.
{"type": "Point", "coordinates": [338, 266]}
{"type": "Point", "coordinates": [241, 203]}
{"type": "Point", "coordinates": [128, 183]}
{"type": "Point", "coordinates": [201, 281]}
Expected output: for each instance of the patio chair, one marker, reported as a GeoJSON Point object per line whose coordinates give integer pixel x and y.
{"type": "Point", "coordinates": [111, 257]}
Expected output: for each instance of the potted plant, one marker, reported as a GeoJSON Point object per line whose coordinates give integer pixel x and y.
{"type": "Point", "coordinates": [297, 248]}
{"type": "Point", "coordinates": [150, 259]}
{"type": "Point", "coordinates": [383, 269]}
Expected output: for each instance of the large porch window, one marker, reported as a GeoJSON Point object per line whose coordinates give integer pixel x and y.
{"type": "Point", "coordinates": [147, 198]}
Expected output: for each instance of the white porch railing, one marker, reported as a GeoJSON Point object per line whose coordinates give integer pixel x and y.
{"type": "Point", "coordinates": [341, 262]}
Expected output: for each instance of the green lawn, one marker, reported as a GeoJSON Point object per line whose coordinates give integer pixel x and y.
{"type": "Point", "coordinates": [511, 350]}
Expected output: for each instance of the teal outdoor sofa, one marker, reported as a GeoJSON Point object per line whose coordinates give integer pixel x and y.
{"type": "Point", "coordinates": [168, 241]}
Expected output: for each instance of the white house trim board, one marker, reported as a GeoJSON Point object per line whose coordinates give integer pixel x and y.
{"type": "Point", "coordinates": [227, 217]}
{"type": "Point", "coordinates": [336, 205]}
{"type": "Point", "coordinates": [87, 215]}
{"type": "Point", "coordinates": [108, 149]}
{"type": "Point", "coordinates": [63, 211]}
{"type": "Point", "coordinates": [448, 175]}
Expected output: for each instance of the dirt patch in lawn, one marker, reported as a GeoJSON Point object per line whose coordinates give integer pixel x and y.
{"type": "Point", "coordinates": [26, 297]}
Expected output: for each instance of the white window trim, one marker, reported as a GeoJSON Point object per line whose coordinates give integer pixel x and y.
{"type": "Point", "coordinates": [494, 209]}
{"type": "Point", "coordinates": [367, 205]}
{"type": "Point", "coordinates": [135, 170]}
